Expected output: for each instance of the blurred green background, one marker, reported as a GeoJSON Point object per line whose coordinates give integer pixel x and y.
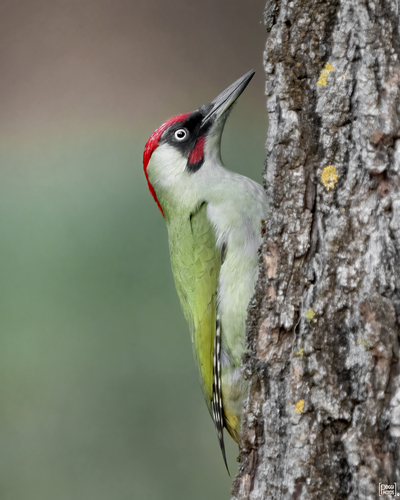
{"type": "Point", "coordinates": [99, 393]}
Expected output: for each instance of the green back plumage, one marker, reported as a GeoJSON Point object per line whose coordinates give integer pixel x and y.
{"type": "Point", "coordinates": [196, 263]}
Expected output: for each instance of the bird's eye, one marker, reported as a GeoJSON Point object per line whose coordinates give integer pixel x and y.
{"type": "Point", "coordinates": [181, 134]}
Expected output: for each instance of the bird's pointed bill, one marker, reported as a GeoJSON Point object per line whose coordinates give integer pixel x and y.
{"type": "Point", "coordinates": [224, 101]}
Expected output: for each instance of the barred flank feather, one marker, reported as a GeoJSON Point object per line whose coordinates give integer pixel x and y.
{"type": "Point", "coordinates": [216, 404]}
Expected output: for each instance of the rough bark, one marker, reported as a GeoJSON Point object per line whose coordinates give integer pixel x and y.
{"type": "Point", "coordinates": [322, 419]}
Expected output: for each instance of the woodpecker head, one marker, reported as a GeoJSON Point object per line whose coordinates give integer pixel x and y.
{"type": "Point", "coordinates": [188, 144]}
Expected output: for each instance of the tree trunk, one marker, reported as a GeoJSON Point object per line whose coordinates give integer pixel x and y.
{"type": "Point", "coordinates": [322, 419]}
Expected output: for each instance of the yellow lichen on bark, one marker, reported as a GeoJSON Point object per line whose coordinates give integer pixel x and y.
{"type": "Point", "coordinates": [299, 406]}
{"type": "Point", "coordinates": [310, 315]}
{"type": "Point", "coordinates": [323, 76]}
{"type": "Point", "coordinates": [329, 177]}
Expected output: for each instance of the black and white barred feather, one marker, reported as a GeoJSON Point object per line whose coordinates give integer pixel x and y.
{"type": "Point", "coordinates": [216, 403]}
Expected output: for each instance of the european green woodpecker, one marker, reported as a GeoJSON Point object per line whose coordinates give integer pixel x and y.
{"type": "Point", "coordinates": [213, 218]}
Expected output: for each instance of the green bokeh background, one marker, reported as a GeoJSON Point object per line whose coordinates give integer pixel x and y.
{"type": "Point", "coordinates": [99, 393]}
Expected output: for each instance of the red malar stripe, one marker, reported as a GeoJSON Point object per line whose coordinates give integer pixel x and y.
{"type": "Point", "coordinates": [197, 152]}
{"type": "Point", "coordinates": [152, 144]}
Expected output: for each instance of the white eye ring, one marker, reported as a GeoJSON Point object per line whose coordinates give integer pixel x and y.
{"type": "Point", "coordinates": [181, 134]}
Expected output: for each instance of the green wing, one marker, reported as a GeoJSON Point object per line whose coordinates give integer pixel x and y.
{"type": "Point", "coordinates": [196, 263]}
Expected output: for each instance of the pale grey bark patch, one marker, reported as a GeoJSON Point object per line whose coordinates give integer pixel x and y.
{"type": "Point", "coordinates": [322, 419]}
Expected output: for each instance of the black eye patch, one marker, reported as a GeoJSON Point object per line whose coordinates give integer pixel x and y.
{"type": "Point", "coordinates": [192, 146]}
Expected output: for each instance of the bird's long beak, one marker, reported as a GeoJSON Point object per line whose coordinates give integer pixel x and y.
{"type": "Point", "coordinates": [224, 101]}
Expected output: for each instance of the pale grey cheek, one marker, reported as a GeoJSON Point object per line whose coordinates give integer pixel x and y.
{"type": "Point", "coordinates": [167, 166]}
